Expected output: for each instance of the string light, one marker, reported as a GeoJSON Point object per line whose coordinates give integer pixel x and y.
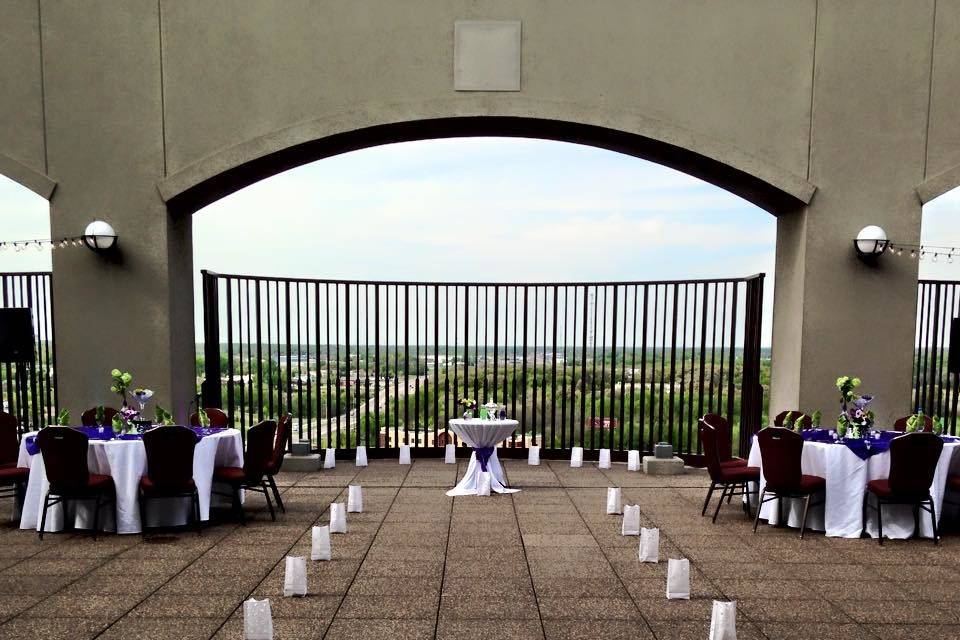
{"type": "Point", "coordinates": [923, 251]}
{"type": "Point", "coordinates": [41, 243]}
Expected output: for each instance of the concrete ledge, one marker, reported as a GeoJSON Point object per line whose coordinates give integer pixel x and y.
{"type": "Point", "coordinates": [301, 463]}
{"type": "Point", "coordinates": [655, 466]}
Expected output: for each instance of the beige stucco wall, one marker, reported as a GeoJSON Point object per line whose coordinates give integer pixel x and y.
{"type": "Point", "coordinates": [846, 105]}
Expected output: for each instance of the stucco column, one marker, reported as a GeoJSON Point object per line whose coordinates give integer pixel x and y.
{"type": "Point", "coordinates": [105, 132]}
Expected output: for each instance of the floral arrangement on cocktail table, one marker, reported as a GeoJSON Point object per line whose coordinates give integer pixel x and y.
{"type": "Point", "coordinates": [469, 407]}
{"type": "Point", "coordinates": [855, 420]}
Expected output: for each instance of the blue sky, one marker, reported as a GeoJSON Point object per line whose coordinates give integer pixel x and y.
{"type": "Point", "coordinates": [527, 210]}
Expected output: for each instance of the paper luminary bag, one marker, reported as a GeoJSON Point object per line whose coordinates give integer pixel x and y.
{"type": "Point", "coordinates": [633, 460]}
{"type": "Point", "coordinates": [295, 577]}
{"type": "Point", "coordinates": [483, 484]}
{"type": "Point", "coordinates": [649, 545]}
{"type": "Point", "coordinates": [338, 518]}
{"type": "Point", "coordinates": [678, 579]}
{"type": "Point", "coordinates": [330, 459]}
{"type": "Point", "coordinates": [354, 499]}
{"type": "Point", "coordinates": [613, 501]}
{"type": "Point", "coordinates": [404, 454]}
{"type": "Point", "coordinates": [604, 462]}
{"type": "Point", "coordinates": [533, 456]}
{"type": "Point", "coordinates": [631, 520]}
{"type": "Point", "coordinates": [361, 460]}
{"type": "Point", "coordinates": [320, 543]}
{"type": "Point", "coordinates": [723, 622]}
{"type": "Point", "coordinates": [450, 454]}
{"type": "Point", "coordinates": [576, 457]}
{"type": "Point", "coordinates": [257, 620]}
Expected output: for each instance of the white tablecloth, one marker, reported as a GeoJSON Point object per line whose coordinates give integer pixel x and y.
{"type": "Point", "coordinates": [126, 462]}
{"type": "Point", "coordinates": [847, 475]}
{"type": "Point", "coordinates": [480, 434]}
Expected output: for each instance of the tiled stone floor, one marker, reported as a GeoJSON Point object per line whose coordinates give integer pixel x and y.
{"type": "Point", "coordinates": [543, 563]}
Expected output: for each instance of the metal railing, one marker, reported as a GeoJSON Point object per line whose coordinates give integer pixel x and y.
{"type": "Point", "coordinates": [619, 365]}
{"type": "Point", "coordinates": [936, 384]}
{"type": "Point", "coordinates": [29, 390]}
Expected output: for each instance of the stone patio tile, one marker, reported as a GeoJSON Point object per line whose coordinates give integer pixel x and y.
{"type": "Point", "coordinates": [157, 566]}
{"type": "Point", "coordinates": [310, 606]}
{"type": "Point", "coordinates": [390, 586]}
{"type": "Point", "coordinates": [162, 629]}
{"type": "Point", "coordinates": [401, 568]}
{"type": "Point", "coordinates": [587, 608]}
{"type": "Point", "coordinates": [602, 629]}
{"type": "Point", "coordinates": [389, 607]}
{"type": "Point", "coordinates": [657, 588]}
{"type": "Point", "coordinates": [778, 609]}
{"type": "Point", "coordinates": [488, 608]}
{"type": "Point", "coordinates": [40, 566]}
{"type": "Point", "coordinates": [690, 630]}
{"type": "Point", "coordinates": [193, 583]}
{"type": "Point", "coordinates": [500, 629]}
{"type": "Point", "coordinates": [283, 628]}
{"type": "Point", "coordinates": [518, 588]}
{"type": "Point", "coordinates": [899, 612]}
{"type": "Point", "coordinates": [11, 605]}
{"type": "Point", "coordinates": [23, 628]}
{"type": "Point", "coordinates": [480, 569]}
{"type": "Point", "coordinates": [915, 631]}
{"type": "Point", "coordinates": [821, 631]}
{"type": "Point", "coordinates": [132, 584]}
{"type": "Point", "coordinates": [738, 589]}
{"type": "Point", "coordinates": [540, 540]}
{"type": "Point", "coordinates": [33, 585]}
{"type": "Point", "coordinates": [919, 572]}
{"type": "Point", "coordinates": [90, 605]}
{"type": "Point", "coordinates": [189, 606]}
{"type": "Point", "coordinates": [469, 540]}
{"type": "Point", "coordinates": [581, 587]}
{"type": "Point", "coordinates": [350, 629]}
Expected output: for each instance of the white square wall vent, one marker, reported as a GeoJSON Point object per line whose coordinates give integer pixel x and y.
{"type": "Point", "coordinates": [486, 55]}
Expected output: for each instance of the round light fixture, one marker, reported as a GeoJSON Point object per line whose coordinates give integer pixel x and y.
{"type": "Point", "coordinates": [871, 242]}
{"type": "Point", "coordinates": [99, 235]}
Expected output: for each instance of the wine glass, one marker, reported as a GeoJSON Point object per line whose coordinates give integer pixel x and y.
{"type": "Point", "coordinates": [143, 396]}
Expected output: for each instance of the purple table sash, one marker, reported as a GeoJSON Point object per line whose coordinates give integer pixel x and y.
{"type": "Point", "coordinates": [863, 448]}
{"type": "Point", "coordinates": [106, 434]}
{"type": "Point", "coordinates": [483, 456]}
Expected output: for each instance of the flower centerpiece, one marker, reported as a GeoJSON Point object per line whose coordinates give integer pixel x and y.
{"type": "Point", "coordinates": [855, 419]}
{"type": "Point", "coordinates": [120, 382]}
{"type": "Point", "coordinates": [469, 406]}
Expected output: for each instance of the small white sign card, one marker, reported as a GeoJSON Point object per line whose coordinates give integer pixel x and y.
{"type": "Point", "coordinates": [320, 547]}
{"type": "Point", "coordinates": [631, 520]}
{"type": "Point", "coordinates": [257, 620]}
{"type": "Point", "coordinates": [604, 462]}
{"type": "Point", "coordinates": [723, 622]}
{"type": "Point", "coordinates": [338, 518]}
{"type": "Point", "coordinates": [295, 577]}
{"type": "Point", "coordinates": [483, 484]}
{"type": "Point", "coordinates": [649, 545]}
{"type": "Point", "coordinates": [576, 457]}
{"type": "Point", "coordinates": [361, 460]}
{"type": "Point", "coordinates": [614, 506]}
{"type": "Point", "coordinates": [678, 579]}
{"type": "Point", "coordinates": [450, 454]}
{"type": "Point", "coordinates": [404, 454]}
{"type": "Point", "coordinates": [354, 499]}
{"type": "Point", "coordinates": [533, 456]}
{"type": "Point", "coordinates": [633, 460]}
{"type": "Point", "coordinates": [330, 459]}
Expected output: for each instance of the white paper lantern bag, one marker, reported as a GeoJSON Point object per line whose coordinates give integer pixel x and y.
{"type": "Point", "coordinates": [404, 454]}
{"type": "Point", "coordinates": [257, 620]}
{"type": "Point", "coordinates": [631, 520]}
{"type": "Point", "coordinates": [723, 622]}
{"type": "Point", "coordinates": [678, 579]}
{"type": "Point", "coordinates": [604, 462]}
{"type": "Point", "coordinates": [483, 484]}
{"type": "Point", "coordinates": [576, 457]}
{"type": "Point", "coordinates": [295, 577]}
{"type": "Point", "coordinates": [613, 501]}
{"type": "Point", "coordinates": [450, 454]}
{"type": "Point", "coordinates": [633, 460]}
{"type": "Point", "coordinates": [320, 543]}
{"type": "Point", "coordinates": [338, 518]}
{"type": "Point", "coordinates": [649, 545]}
{"type": "Point", "coordinates": [361, 460]}
{"type": "Point", "coordinates": [330, 459]}
{"type": "Point", "coordinates": [354, 499]}
{"type": "Point", "coordinates": [533, 456]}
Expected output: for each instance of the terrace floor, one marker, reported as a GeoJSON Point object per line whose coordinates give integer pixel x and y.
{"type": "Point", "coordinates": [543, 563]}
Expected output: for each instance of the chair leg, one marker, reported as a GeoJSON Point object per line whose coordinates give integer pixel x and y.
{"type": "Point", "coordinates": [195, 498]}
{"type": "Point", "coordinates": [276, 494]}
{"type": "Point", "coordinates": [96, 516]}
{"type": "Point", "coordinates": [266, 494]}
{"type": "Point", "coordinates": [933, 523]}
{"type": "Point", "coordinates": [863, 513]}
{"type": "Point", "coordinates": [706, 502]}
{"type": "Point", "coordinates": [43, 517]}
{"type": "Point", "coordinates": [803, 521]}
{"type": "Point", "coordinates": [880, 521]}
{"type": "Point", "coordinates": [756, 518]}
{"type": "Point", "coordinates": [141, 501]}
{"type": "Point", "coordinates": [238, 507]}
{"type": "Point", "coordinates": [723, 493]}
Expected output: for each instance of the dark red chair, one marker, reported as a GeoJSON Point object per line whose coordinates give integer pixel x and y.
{"type": "Point", "coordinates": [800, 418]}
{"type": "Point", "coordinates": [734, 479]}
{"type": "Point", "coordinates": [13, 479]}
{"type": "Point", "coordinates": [901, 424]}
{"type": "Point", "coordinates": [782, 451]}
{"type": "Point", "coordinates": [913, 463]}
{"type": "Point", "coordinates": [724, 440]}
{"type": "Point", "coordinates": [217, 418]}
{"type": "Point", "coordinates": [280, 444]}
{"type": "Point", "coordinates": [64, 452]}
{"type": "Point", "coordinates": [256, 462]}
{"type": "Point", "coordinates": [89, 417]}
{"type": "Point", "coordinates": [169, 470]}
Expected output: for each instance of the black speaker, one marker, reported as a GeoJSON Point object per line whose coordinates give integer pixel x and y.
{"type": "Point", "coordinates": [16, 335]}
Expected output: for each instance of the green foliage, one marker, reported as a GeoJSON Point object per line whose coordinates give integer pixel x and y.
{"type": "Point", "coordinates": [163, 416]}
{"type": "Point", "coordinates": [915, 422]}
{"type": "Point", "coordinates": [63, 418]}
{"type": "Point", "coordinates": [816, 417]}
{"type": "Point", "coordinates": [100, 415]}
{"type": "Point", "coordinates": [120, 382]}
{"type": "Point", "coordinates": [204, 418]}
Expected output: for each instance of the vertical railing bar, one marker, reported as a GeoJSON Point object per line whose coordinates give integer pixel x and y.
{"type": "Point", "coordinates": [523, 382]}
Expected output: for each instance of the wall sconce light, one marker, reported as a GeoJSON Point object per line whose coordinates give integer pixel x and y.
{"type": "Point", "coordinates": [99, 236]}
{"type": "Point", "coordinates": [870, 243]}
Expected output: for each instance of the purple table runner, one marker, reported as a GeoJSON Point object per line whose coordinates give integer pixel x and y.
{"type": "Point", "coordinates": [863, 448]}
{"type": "Point", "coordinates": [106, 434]}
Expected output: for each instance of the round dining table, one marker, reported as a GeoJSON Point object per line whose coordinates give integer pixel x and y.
{"type": "Point", "coordinates": [483, 436]}
{"type": "Point", "coordinates": [847, 465]}
{"type": "Point", "coordinates": [124, 458]}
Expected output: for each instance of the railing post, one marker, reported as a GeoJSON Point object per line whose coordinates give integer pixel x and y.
{"type": "Point", "coordinates": [751, 393]}
{"type": "Point", "coordinates": [210, 387]}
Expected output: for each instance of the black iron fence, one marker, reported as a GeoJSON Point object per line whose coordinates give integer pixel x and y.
{"type": "Point", "coordinates": [619, 365]}
{"type": "Point", "coordinates": [936, 384]}
{"type": "Point", "coordinates": [29, 390]}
